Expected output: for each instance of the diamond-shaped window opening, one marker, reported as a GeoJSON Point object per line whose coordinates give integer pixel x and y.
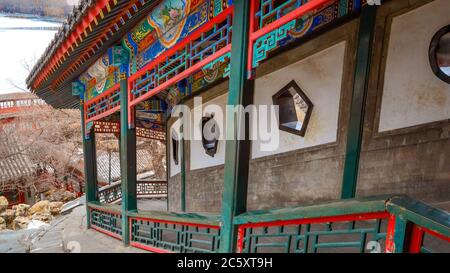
{"type": "Point", "coordinates": [175, 147]}
{"type": "Point", "coordinates": [210, 134]}
{"type": "Point", "coordinates": [295, 109]}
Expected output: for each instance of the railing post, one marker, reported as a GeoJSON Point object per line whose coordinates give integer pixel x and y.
{"type": "Point", "coordinates": [398, 237]}
{"type": "Point", "coordinates": [360, 87]}
{"type": "Point", "coordinates": [127, 160]}
{"type": "Point", "coordinates": [415, 243]}
{"type": "Point", "coordinates": [90, 165]}
{"type": "Point", "coordinates": [237, 151]}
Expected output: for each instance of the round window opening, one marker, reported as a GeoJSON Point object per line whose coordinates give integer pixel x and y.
{"type": "Point", "coordinates": [440, 54]}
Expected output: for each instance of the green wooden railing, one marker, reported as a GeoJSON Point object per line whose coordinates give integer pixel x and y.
{"type": "Point", "coordinates": [379, 224]}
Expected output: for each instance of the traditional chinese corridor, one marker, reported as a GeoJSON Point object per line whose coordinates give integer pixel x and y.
{"type": "Point", "coordinates": [256, 126]}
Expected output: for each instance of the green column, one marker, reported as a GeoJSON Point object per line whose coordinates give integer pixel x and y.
{"type": "Point", "coordinates": [400, 233]}
{"type": "Point", "coordinates": [90, 165]}
{"type": "Point", "coordinates": [168, 139]}
{"type": "Point", "coordinates": [237, 152]}
{"type": "Point", "coordinates": [361, 80]}
{"type": "Point", "coordinates": [183, 169]}
{"type": "Point", "coordinates": [127, 161]}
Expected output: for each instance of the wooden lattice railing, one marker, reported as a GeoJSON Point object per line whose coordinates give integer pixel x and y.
{"type": "Point", "coordinates": [145, 189]}
{"type": "Point", "coordinates": [392, 224]}
{"type": "Point", "coordinates": [165, 232]}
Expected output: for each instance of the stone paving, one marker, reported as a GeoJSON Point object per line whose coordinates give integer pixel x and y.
{"type": "Point", "coordinates": [68, 233]}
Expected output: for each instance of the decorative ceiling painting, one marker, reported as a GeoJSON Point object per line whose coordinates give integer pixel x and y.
{"type": "Point", "coordinates": [170, 22]}
{"type": "Point", "coordinates": [104, 73]}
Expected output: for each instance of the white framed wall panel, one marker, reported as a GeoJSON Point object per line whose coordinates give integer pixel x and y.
{"type": "Point", "coordinates": [412, 94]}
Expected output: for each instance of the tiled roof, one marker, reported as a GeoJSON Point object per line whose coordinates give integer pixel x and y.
{"type": "Point", "coordinates": [144, 163]}
{"type": "Point", "coordinates": [79, 11]}
{"type": "Point", "coordinates": [14, 164]}
{"type": "Point", "coordinates": [80, 41]}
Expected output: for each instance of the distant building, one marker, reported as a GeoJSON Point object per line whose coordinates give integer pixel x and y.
{"type": "Point", "coordinates": [15, 166]}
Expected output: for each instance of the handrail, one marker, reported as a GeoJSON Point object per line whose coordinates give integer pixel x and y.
{"type": "Point", "coordinates": [328, 209]}
{"type": "Point", "coordinates": [105, 207]}
{"type": "Point", "coordinates": [198, 219]}
{"type": "Point", "coordinates": [410, 221]}
{"type": "Point", "coordinates": [204, 219]}
{"type": "Point", "coordinates": [407, 222]}
{"type": "Point", "coordinates": [434, 219]}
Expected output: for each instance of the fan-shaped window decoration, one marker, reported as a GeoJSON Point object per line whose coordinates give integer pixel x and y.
{"type": "Point", "coordinates": [295, 109]}
{"type": "Point", "coordinates": [439, 54]}
{"type": "Point", "coordinates": [175, 147]}
{"type": "Point", "coordinates": [210, 134]}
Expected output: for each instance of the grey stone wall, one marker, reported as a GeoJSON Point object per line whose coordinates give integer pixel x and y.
{"type": "Point", "coordinates": [174, 193]}
{"type": "Point", "coordinates": [413, 161]}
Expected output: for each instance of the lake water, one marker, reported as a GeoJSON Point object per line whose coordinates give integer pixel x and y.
{"type": "Point", "coordinates": [21, 42]}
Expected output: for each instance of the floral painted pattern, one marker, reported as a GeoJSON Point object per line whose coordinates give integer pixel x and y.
{"type": "Point", "coordinates": [168, 20]}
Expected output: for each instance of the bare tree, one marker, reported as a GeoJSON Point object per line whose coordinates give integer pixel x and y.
{"type": "Point", "coordinates": [50, 139]}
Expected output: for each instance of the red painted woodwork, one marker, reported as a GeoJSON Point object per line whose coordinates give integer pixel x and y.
{"type": "Point", "coordinates": [390, 245]}
{"type": "Point", "coordinates": [416, 239]}
{"type": "Point", "coordinates": [149, 248]}
{"type": "Point", "coordinates": [97, 99]}
{"type": "Point", "coordinates": [195, 35]}
{"type": "Point", "coordinates": [111, 234]}
{"type": "Point", "coordinates": [80, 29]}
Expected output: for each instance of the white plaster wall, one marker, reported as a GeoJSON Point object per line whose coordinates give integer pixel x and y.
{"type": "Point", "coordinates": [412, 94]}
{"type": "Point", "coordinates": [174, 169]}
{"type": "Point", "coordinates": [320, 77]}
{"type": "Point", "coordinates": [199, 158]}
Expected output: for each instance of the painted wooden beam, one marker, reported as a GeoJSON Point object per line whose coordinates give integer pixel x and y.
{"type": "Point", "coordinates": [127, 160]}
{"type": "Point", "coordinates": [237, 153]}
{"type": "Point", "coordinates": [360, 87]}
{"type": "Point", "coordinates": [90, 165]}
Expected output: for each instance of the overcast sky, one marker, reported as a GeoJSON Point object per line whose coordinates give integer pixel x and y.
{"type": "Point", "coordinates": [20, 46]}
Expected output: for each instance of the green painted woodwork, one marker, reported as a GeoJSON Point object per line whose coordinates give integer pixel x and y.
{"type": "Point", "coordinates": [329, 209]}
{"type": "Point", "coordinates": [196, 218]}
{"type": "Point", "coordinates": [127, 160]}
{"type": "Point", "coordinates": [354, 236]}
{"type": "Point", "coordinates": [167, 161]}
{"type": "Point", "coordinates": [200, 232]}
{"type": "Point", "coordinates": [174, 237]}
{"type": "Point", "coordinates": [90, 165]}
{"type": "Point", "coordinates": [107, 221]}
{"type": "Point", "coordinates": [356, 122]}
{"type": "Point", "coordinates": [109, 207]}
{"type": "Point", "coordinates": [183, 170]}
{"type": "Point", "coordinates": [420, 214]}
{"type": "Point", "coordinates": [401, 226]}
{"type": "Point", "coordinates": [237, 153]}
